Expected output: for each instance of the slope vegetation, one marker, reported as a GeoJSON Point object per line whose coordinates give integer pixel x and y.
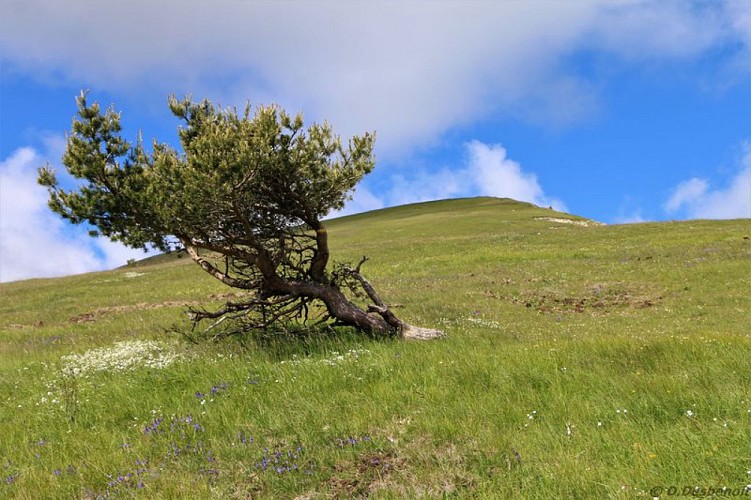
{"type": "Point", "coordinates": [582, 361]}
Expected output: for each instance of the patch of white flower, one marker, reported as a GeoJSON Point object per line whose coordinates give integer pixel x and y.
{"type": "Point", "coordinates": [133, 274]}
{"type": "Point", "coordinates": [336, 358]}
{"type": "Point", "coordinates": [122, 356]}
{"type": "Point", "coordinates": [484, 323]}
{"type": "Point", "coordinates": [575, 222]}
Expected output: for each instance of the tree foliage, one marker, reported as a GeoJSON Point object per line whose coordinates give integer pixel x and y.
{"type": "Point", "coordinates": [245, 196]}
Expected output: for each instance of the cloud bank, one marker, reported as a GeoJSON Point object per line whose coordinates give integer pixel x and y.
{"type": "Point", "coordinates": [34, 242]}
{"type": "Point", "coordinates": [695, 199]}
{"type": "Point", "coordinates": [408, 69]}
{"type": "Point", "coordinates": [487, 171]}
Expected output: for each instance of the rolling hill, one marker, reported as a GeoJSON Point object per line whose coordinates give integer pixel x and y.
{"type": "Point", "coordinates": [582, 361]}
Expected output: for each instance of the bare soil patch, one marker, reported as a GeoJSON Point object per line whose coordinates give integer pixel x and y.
{"type": "Point", "coordinates": [362, 477]}
{"type": "Point", "coordinates": [597, 298]}
{"type": "Point", "coordinates": [97, 313]}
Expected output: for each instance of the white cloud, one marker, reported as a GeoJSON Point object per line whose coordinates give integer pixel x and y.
{"type": "Point", "coordinates": [409, 71]}
{"type": "Point", "coordinates": [424, 185]}
{"type": "Point", "coordinates": [494, 174]}
{"type": "Point", "coordinates": [694, 198]}
{"type": "Point", "coordinates": [33, 241]}
{"type": "Point", "coordinates": [363, 200]}
{"type": "Point", "coordinates": [640, 30]}
{"type": "Point", "coordinates": [629, 218]}
{"type": "Point", "coordinates": [487, 172]}
{"type": "Point", "coordinates": [685, 193]}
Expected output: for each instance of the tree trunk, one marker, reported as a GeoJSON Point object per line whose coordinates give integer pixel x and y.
{"type": "Point", "coordinates": [347, 313]}
{"type": "Point", "coordinates": [386, 322]}
{"type": "Point", "coordinates": [377, 319]}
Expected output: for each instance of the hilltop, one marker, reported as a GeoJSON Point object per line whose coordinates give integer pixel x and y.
{"type": "Point", "coordinates": [582, 360]}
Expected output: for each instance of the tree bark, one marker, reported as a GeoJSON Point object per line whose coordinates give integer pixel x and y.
{"type": "Point", "coordinates": [321, 257]}
{"type": "Point", "coordinates": [337, 304]}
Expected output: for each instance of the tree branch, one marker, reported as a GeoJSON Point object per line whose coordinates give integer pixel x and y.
{"type": "Point", "coordinates": [213, 271]}
{"type": "Point", "coordinates": [379, 306]}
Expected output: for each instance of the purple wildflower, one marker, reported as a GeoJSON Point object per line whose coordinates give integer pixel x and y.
{"type": "Point", "coordinates": [218, 388]}
{"type": "Point", "coordinates": [352, 440]}
{"type": "Point", "coordinates": [153, 426]}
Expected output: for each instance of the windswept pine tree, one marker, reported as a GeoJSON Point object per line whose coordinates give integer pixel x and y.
{"type": "Point", "coordinates": [245, 197]}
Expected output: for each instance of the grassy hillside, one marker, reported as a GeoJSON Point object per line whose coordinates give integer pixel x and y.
{"type": "Point", "coordinates": [582, 361]}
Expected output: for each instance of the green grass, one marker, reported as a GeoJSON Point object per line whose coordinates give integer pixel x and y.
{"type": "Point", "coordinates": [581, 362]}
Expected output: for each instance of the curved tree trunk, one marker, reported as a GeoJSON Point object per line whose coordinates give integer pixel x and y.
{"type": "Point", "coordinates": [348, 313]}
{"type": "Point", "coordinates": [276, 291]}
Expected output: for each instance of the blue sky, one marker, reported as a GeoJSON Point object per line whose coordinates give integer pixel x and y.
{"type": "Point", "coordinates": [617, 110]}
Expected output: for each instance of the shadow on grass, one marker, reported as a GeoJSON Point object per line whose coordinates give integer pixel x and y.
{"type": "Point", "coordinates": [284, 344]}
{"type": "Point", "coordinates": [296, 340]}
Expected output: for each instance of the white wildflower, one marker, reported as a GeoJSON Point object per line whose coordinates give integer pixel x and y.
{"type": "Point", "coordinates": [122, 356]}
{"type": "Point", "coordinates": [689, 413]}
{"type": "Point", "coordinates": [485, 323]}
{"type": "Point", "coordinates": [335, 359]}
